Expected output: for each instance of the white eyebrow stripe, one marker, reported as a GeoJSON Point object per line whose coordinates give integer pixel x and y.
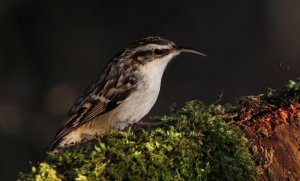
{"type": "Point", "coordinates": [153, 46]}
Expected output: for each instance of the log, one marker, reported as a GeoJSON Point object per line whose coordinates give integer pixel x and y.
{"type": "Point", "coordinates": [275, 136]}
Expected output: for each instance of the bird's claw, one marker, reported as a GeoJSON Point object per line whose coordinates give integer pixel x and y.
{"type": "Point", "coordinates": [146, 125]}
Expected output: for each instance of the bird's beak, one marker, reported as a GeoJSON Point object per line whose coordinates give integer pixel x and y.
{"type": "Point", "coordinates": [181, 49]}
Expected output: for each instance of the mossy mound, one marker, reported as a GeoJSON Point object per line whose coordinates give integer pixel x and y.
{"type": "Point", "coordinates": [194, 143]}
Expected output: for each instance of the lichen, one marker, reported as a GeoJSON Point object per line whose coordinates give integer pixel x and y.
{"type": "Point", "coordinates": [193, 143]}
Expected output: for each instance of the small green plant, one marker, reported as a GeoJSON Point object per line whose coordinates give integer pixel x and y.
{"type": "Point", "coordinates": [194, 143]}
{"type": "Point", "coordinates": [288, 94]}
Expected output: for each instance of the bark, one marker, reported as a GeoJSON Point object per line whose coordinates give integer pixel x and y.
{"type": "Point", "coordinates": [275, 135]}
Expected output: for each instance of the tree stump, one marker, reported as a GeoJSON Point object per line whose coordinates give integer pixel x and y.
{"type": "Point", "coordinates": [275, 135]}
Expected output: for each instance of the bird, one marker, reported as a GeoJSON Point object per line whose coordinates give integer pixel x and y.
{"type": "Point", "coordinates": [122, 94]}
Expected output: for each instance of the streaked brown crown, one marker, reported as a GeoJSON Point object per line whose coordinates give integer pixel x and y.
{"type": "Point", "coordinates": [146, 50]}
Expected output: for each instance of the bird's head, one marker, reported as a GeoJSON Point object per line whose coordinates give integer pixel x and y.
{"type": "Point", "coordinates": [155, 49]}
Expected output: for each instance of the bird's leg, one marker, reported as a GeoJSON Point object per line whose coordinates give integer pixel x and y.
{"type": "Point", "coordinates": [146, 125]}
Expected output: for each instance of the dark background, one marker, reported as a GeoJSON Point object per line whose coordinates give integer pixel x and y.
{"type": "Point", "coordinates": [50, 51]}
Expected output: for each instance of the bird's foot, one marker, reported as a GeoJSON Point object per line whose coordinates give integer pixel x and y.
{"type": "Point", "coordinates": [146, 125]}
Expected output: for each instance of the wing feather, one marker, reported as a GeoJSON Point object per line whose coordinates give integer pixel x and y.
{"type": "Point", "coordinates": [96, 103]}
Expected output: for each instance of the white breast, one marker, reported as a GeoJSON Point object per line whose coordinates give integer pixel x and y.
{"type": "Point", "coordinates": [143, 99]}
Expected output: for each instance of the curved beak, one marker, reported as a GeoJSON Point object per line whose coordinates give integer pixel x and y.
{"type": "Point", "coordinates": [181, 49]}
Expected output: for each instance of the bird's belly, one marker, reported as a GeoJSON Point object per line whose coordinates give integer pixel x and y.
{"type": "Point", "coordinates": [136, 106]}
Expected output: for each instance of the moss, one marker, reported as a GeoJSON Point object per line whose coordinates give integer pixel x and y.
{"type": "Point", "coordinates": [285, 96]}
{"type": "Point", "coordinates": [46, 173]}
{"type": "Point", "coordinates": [194, 143]}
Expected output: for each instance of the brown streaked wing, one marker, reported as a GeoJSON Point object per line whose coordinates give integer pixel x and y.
{"type": "Point", "coordinates": [91, 108]}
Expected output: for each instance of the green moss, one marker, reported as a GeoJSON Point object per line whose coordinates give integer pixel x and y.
{"type": "Point", "coordinates": [194, 143]}
{"type": "Point", "coordinates": [290, 93]}
{"type": "Point", "coordinates": [46, 173]}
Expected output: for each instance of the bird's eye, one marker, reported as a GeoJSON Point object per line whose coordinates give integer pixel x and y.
{"type": "Point", "coordinates": [158, 52]}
